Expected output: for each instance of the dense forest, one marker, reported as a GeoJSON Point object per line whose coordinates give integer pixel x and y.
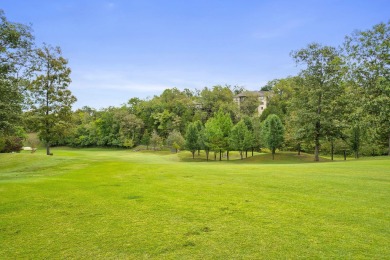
{"type": "Point", "coordinates": [340, 101]}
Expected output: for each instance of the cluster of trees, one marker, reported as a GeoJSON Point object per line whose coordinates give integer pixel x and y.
{"type": "Point", "coordinates": [35, 79]}
{"type": "Point", "coordinates": [339, 101]}
{"type": "Point", "coordinates": [341, 97]}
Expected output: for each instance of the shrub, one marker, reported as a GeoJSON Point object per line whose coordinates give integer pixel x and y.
{"type": "Point", "coordinates": [11, 144]}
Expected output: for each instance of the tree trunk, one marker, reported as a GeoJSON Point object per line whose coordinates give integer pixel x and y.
{"type": "Point", "coordinates": [332, 149]}
{"type": "Point", "coordinates": [207, 154]}
{"type": "Point", "coordinates": [273, 153]}
{"type": "Point", "coordinates": [318, 130]}
{"type": "Point", "coordinates": [220, 154]}
{"type": "Point", "coordinates": [48, 149]}
{"type": "Point", "coordinates": [215, 155]}
{"type": "Point", "coordinates": [299, 148]}
{"type": "Point", "coordinates": [241, 155]}
{"type": "Point", "coordinates": [47, 130]}
{"type": "Point", "coordinates": [317, 142]}
{"type": "Point", "coordinates": [227, 155]}
{"type": "Point", "coordinates": [252, 151]}
{"type": "Point", "coordinates": [246, 153]}
{"type": "Point", "coordinates": [193, 154]}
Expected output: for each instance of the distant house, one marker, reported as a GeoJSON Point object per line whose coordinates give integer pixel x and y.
{"type": "Point", "coordinates": [262, 96]}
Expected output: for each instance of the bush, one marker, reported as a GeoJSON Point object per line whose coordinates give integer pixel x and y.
{"type": "Point", "coordinates": [11, 144]}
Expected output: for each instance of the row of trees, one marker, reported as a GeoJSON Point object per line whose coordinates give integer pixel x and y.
{"type": "Point", "coordinates": [219, 135]}
{"type": "Point", "coordinates": [339, 100]}
{"type": "Point", "coordinates": [34, 79]}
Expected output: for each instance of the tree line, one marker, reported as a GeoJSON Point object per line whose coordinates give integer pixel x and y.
{"type": "Point", "coordinates": [340, 101]}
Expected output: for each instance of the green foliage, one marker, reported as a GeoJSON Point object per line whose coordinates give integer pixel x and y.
{"type": "Point", "coordinates": [51, 99]}
{"type": "Point", "coordinates": [273, 133]}
{"type": "Point", "coordinates": [192, 138]}
{"type": "Point", "coordinates": [217, 131]}
{"type": "Point", "coordinates": [280, 97]}
{"type": "Point", "coordinates": [317, 95]}
{"type": "Point", "coordinates": [175, 140]}
{"type": "Point", "coordinates": [217, 98]}
{"type": "Point", "coordinates": [128, 143]}
{"type": "Point", "coordinates": [240, 138]}
{"type": "Point", "coordinates": [249, 104]}
{"type": "Point", "coordinates": [155, 140]}
{"type": "Point", "coordinates": [10, 144]}
{"type": "Point", "coordinates": [16, 42]}
{"type": "Point", "coordinates": [368, 57]}
{"type": "Point", "coordinates": [146, 138]}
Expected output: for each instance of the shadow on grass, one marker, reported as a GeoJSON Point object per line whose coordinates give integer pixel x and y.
{"type": "Point", "coordinates": [258, 158]}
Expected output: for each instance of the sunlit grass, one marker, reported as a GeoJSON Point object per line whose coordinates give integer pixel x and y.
{"type": "Point", "coordinates": [97, 203]}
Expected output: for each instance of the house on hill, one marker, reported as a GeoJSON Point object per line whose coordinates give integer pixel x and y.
{"type": "Point", "coordinates": [238, 99]}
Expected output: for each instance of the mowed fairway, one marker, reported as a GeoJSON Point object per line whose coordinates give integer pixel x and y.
{"type": "Point", "coordinates": [96, 203]}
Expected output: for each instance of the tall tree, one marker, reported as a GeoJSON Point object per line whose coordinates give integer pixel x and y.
{"type": "Point", "coordinates": [368, 54]}
{"type": "Point", "coordinates": [213, 136]}
{"type": "Point", "coordinates": [273, 133]}
{"type": "Point", "coordinates": [321, 86]}
{"type": "Point", "coordinates": [240, 138]}
{"type": "Point", "coordinates": [175, 140]}
{"type": "Point", "coordinates": [16, 42]}
{"type": "Point", "coordinates": [192, 138]}
{"type": "Point", "coordinates": [51, 98]}
{"type": "Point", "coordinates": [155, 140]}
{"type": "Point", "coordinates": [145, 140]}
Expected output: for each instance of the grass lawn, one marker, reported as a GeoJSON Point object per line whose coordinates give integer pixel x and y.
{"type": "Point", "coordinates": [95, 203]}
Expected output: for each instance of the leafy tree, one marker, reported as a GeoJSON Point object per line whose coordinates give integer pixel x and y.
{"type": "Point", "coordinates": [318, 92]}
{"type": "Point", "coordinates": [155, 140]}
{"type": "Point", "coordinates": [10, 144]}
{"type": "Point", "coordinates": [192, 138]}
{"type": "Point", "coordinates": [131, 126]}
{"type": "Point", "coordinates": [249, 104]}
{"type": "Point", "coordinates": [216, 133]}
{"type": "Point", "coordinates": [240, 138]}
{"type": "Point", "coordinates": [217, 98]}
{"type": "Point", "coordinates": [146, 138]}
{"type": "Point", "coordinates": [51, 98]}
{"type": "Point", "coordinates": [250, 124]}
{"type": "Point", "coordinates": [175, 140]}
{"type": "Point", "coordinates": [368, 55]}
{"type": "Point", "coordinates": [257, 134]}
{"type": "Point", "coordinates": [16, 43]}
{"type": "Point", "coordinates": [279, 98]}
{"type": "Point", "coordinates": [213, 136]}
{"type": "Point", "coordinates": [273, 132]}
{"type": "Point", "coordinates": [270, 85]}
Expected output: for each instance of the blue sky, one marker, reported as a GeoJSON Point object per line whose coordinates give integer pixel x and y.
{"type": "Point", "coordinates": [120, 49]}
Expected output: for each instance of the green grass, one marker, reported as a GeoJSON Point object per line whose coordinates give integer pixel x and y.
{"type": "Point", "coordinates": [95, 203]}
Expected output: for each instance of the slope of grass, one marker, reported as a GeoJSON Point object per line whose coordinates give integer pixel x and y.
{"type": "Point", "coordinates": [95, 203]}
